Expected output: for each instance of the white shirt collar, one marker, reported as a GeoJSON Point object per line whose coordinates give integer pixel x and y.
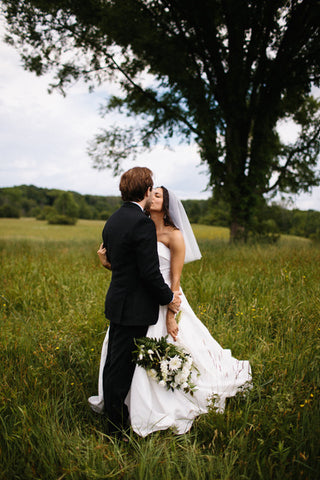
{"type": "Point", "coordinates": [136, 203]}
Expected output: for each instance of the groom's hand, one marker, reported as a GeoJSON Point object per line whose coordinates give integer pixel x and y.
{"type": "Point", "coordinates": [176, 302]}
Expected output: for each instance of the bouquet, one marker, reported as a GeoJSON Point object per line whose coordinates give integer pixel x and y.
{"type": "Point", "coordinates": [166, 363]}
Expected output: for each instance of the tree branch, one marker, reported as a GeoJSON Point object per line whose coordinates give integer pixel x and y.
{"type": "Point", "coordinates": [163, 105]}
{"type": "Point", "coordinates": [292, 153]}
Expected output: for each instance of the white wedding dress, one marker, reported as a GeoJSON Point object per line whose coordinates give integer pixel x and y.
{"type": "Point", "coordinates": [151, 406]}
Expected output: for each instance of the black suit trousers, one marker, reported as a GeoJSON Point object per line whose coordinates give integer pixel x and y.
{"type": "Point", "coordinates": [118, 372]}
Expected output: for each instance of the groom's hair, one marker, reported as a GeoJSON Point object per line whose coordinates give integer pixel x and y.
{"type": "Point", "coordinates": [134, 183]}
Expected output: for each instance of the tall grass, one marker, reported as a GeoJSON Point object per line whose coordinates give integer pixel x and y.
{"type": "Point", "coordinates": [262, 302]}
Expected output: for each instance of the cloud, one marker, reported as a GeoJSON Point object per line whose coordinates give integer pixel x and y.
{"type": "Point", "coordinates": [44, 138]}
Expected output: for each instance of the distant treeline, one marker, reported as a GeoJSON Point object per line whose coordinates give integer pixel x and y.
{"type": "Point", "coordinates": [43, 203]}
{"type": "Point", "coordinates": [31, 201]}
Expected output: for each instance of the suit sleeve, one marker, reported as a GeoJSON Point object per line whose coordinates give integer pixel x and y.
{"type": "Point", "coordinates": [145, 240]}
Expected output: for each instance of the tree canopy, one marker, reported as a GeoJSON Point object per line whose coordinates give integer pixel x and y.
{"type": "Point", "coordinates": [221, 73]}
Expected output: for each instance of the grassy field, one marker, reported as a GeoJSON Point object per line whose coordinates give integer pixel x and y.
{"type": "Point", "coordinates": [263, 302]}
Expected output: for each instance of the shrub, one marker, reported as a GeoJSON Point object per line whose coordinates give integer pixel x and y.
{"type": "Point", "coordinates": [315, 237]}
{"type": "Point", "coordinates": [9, 211]}
{"type": "Point", "coordinates": [46, 212]}
{"type": "Point", "coordinates": [57, 219]}
{"type": "Point", "coordinates": [66, 205]}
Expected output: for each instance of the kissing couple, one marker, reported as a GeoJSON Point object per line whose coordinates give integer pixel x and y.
{"type": "Point", "coordinates": [145, 244]}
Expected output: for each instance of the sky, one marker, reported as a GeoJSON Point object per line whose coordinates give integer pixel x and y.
{"type": "Point", "coordinates": [44, 140]}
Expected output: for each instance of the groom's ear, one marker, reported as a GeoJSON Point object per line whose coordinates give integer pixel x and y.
{"type": "Point", "coordinates": [148, 192]}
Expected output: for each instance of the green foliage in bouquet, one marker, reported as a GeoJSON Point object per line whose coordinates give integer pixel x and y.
{"type": "Point", "coordinates": [166, 363]}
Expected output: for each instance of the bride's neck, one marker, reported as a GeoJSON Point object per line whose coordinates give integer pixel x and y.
{"type": "Point", "coordinates": [157, 218]}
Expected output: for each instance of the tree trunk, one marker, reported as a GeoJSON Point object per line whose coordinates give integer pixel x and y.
{"type": "Point", "coordinates": [237, 232]}
{"type": "Point", "coordinates": [236, 187]}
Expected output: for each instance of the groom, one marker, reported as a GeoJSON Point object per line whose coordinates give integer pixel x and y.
{"type": "Point", "coordinates": [136, 289]}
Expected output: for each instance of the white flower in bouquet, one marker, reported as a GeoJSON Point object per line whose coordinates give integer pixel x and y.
{"type": "Point", "coordinates": [164, 366]}
{"type": "Point", "coordinates": [181, 378]}
{"type": "Point", "coordinates": [186, 370]}
{"type": "Point", "coordinates": [152, 373]}
{"type": "Point", "coordinates": [174, 363]}
{"type": "Point", "coordinates": [189, 361]}
{"type": "Point", "coordinates": [166, 363]}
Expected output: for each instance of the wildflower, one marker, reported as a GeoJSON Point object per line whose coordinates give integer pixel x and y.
{"type": "Point", "coordinates": [57, 348]}
{"type": "Point", "coordinates": [303, 456]}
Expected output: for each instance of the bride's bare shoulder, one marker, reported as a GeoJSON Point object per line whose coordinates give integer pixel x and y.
{"type": "Point", "coordinates": [175, 237]}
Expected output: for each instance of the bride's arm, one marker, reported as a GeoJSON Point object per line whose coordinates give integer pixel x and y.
{"type": "Point", "coordinates": [102, 254]}
{"type": "Point", "coordinates": [177, 252]}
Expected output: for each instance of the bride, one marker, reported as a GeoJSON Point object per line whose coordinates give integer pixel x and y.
{"type": "Point", "coordinates": [151, 406]}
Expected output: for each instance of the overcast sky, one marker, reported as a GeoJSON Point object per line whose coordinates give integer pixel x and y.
{"type": "Point", "coordinates": [44, 138]}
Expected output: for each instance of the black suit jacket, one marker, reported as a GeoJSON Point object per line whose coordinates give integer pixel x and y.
{"type": "Point", "coordinates": [137, 286]}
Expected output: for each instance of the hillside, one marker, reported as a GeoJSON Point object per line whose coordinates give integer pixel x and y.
{"type": "Point", "coordinates": [32, 201]}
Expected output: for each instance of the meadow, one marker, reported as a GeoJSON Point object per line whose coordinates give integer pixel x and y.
{"type": "Point", "coordinates": [261, 301]}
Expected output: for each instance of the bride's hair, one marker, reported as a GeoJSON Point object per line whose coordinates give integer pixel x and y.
{"type": "Point", "coordinates": [165, 206]}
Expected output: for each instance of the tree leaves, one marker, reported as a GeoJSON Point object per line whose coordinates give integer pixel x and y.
{"type": "Point", "coordinates": [221, 74]}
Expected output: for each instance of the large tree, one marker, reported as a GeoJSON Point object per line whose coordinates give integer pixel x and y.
{"type": "Point", "coordinates": [221, 73]}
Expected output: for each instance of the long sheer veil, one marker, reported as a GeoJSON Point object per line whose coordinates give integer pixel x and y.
{"type": "Point", "coordinates": [180, 219]}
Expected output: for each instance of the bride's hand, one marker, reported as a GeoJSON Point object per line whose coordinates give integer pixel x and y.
{"type": "Point", "coordinates": [102, 254]}
{"type": "Point", "coordinates": [172, 326]}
